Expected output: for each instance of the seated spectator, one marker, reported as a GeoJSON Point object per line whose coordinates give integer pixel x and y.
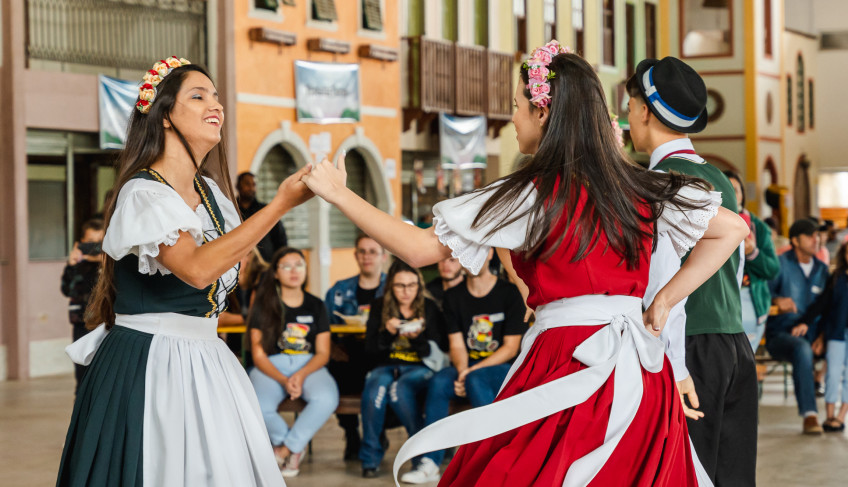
{"type": "Point", "coordinates": [450, 274]}
{"type": "Point", "coordinates": [801, 280]}
{"type": "Point", "coordinates": [832, 305]}
{"type": "Point", "coordinates": [760, 266]}
{"type": "Point", "coordinates": [353, 297]}
{"type": "Point", "coordinates": [290, 337]}
{"type": "Point", "coordinates": [400, 328]}
{"type": "Point", "coordinates": [484, 319]}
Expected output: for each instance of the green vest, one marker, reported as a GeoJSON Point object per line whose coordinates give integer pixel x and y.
{"type": "Point", "coordinates": [715, 307]}
{"type": "Point", "coordinates": [137, 293]}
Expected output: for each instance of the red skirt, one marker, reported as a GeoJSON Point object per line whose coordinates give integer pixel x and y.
{"type": "Point", "coordinates": [654, 451]}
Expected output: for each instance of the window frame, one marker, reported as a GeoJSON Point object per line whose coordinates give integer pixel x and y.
{"type": "Point", "coordinates": [681, 10]}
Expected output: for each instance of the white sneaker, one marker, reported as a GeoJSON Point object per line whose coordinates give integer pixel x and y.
{"type": "Point", "coordinates": [292, 467]}
{"type": "Point", "coordinates": [426, 471]}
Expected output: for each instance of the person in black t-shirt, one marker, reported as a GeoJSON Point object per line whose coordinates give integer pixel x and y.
{"type": "Point", "coordinates": [79, 277]}
{"type": "Point", "coordinates": [400, 329]}
{"type": "Point", "coordinates": [290, 341]}
{"type": "Point", "coordinates": [352, 298]}
{"type": "Point", "coordinates": [450, 275]}
{"type": "Point", "coordinates": [276, 238]}
{"type": "Point", "coordinates": [485, 321]}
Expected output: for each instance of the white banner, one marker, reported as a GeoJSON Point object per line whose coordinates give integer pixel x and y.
{"type": "Point", "coordinates": [117, 99]}
{"type": "Point", "coordinates": [462, 141]}
{"type": "Point", "coordinates": [327, 92]}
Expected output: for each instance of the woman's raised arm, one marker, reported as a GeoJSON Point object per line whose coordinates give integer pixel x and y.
{"type": "Point", "coordinates": [200, 266]}
{"type": "Point", "coordinates": [415, 246]}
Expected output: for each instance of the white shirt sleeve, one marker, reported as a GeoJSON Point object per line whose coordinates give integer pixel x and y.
{"type": "Point", "coordinates": [684, 226]}
{"type": "Point", "coordinates": [678, 230]}
{"type": "Point", "coordinates": [452, 220]}
{"type": "Point", "coordinates": [148, 214]}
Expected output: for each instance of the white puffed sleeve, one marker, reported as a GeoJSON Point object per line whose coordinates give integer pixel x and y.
{"type": "Point", "coordinates": [228, 209]}
{"type": "Point", "coordinates": [452, 220]}
{"type": "Point", "coordinates": [684, 226]}
{"type": "Point", "coordinates": [147, 214]}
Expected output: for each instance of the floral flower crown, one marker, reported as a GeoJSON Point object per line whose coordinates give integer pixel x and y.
{"type": "Point", "coordinates": [539, 74]}
{"type": "Point", "coordinates": [152, 78]}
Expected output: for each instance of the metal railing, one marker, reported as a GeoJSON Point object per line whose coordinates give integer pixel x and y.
{"type": "Point", "coordinates": [129, 34]}
{"type": "Point", "coordinates": [471, 76]}
{"type": "Point", "coordinates": [500, 79]}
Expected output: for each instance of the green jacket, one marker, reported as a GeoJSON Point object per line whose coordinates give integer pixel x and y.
{"type": "Point", "coordinates": [762, 268]}
{"type": "Point", "coordinates": [716, 306]}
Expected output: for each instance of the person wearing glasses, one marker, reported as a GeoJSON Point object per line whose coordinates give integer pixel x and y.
{"type": "Point", "coordinates": [399, 331]}
{"type": "Point", "coordinates": [290, 341]}
{"type": "Point", "coordinates": [351, 298]}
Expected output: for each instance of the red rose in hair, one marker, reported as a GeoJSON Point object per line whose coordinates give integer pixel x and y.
{"type": "Point", "coordinates": [143, 103]}
{"type": "Point", "coordinates": [146, 86]}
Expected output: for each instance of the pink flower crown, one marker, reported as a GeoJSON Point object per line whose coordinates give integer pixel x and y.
{"type": "Point", "coordinates": [539, 74]}
{"type": "Point", "coordinates": [152, 78]}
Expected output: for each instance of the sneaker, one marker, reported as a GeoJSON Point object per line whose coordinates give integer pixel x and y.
{"type": "Point", "coordinates": [811, 426]}
{"type": "Point", "coordinates": [819, 389]}
{"type": "Point", "coordinates": [426, 471]}
{"type": "Point", "coordinates": [369, 473]}
{"type": "Point", "coordinates": [292, 467]}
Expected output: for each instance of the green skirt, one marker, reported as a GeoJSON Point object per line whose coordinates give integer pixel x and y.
{"type": "Point", "coordinates": [104, 442]}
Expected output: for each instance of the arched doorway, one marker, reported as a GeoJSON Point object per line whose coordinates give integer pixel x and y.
{"type": "Point", "coordinates": [360, 180]}
{"type": "Point", "coordinates": [278, 164]}
{"type": "Point", "coordinates": [801, 189]}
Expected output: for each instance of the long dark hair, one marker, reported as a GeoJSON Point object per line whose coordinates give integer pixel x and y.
{"type": "Point", "coordinates": [735, 175]}
{"type": "Point", "coordinates": [579, 152]}
{"type": "Point", "coordinates": [391, 308]}
{"type": "Point", "coordinates": [268, 308]}
{"type": "Point", "coordinates": [841, 264]}
{"type": "Point", "coordinates": [145, 144]}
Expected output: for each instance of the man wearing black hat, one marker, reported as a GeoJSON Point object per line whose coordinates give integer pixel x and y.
{"type": "Point", "coordinates": [801, 280]}
{"type": "Point", "coordinates": [706, 344]}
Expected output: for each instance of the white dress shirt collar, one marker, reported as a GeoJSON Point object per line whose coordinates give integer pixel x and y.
{"type": "Point", "coordinates": [661, 152]}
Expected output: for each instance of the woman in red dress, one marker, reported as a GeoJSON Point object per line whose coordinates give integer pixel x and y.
{"type": "Point", "coordinates": [591, 399]}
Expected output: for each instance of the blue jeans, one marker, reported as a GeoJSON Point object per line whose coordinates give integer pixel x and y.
{"type": "Point", "coordinates": [837, 366]}
{"type": "Point", "coordinates": [319, 392]}
{"type": "Point", "coordinates": [796, 350]}
{"type": "Point", "coordinates": [481, 387]}
{"type": "Point", "coordinates": [398, 386]}
{"type": "Point", "coordinates": [750, 321]}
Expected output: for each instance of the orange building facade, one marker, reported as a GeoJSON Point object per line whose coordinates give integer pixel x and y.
{"type": "Point", "coordinates": [268, 37]}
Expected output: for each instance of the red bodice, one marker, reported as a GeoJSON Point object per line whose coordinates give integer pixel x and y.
{"type": "Point", "coordinates": [602, 271]}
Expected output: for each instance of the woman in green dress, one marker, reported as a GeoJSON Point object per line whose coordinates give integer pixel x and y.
{"type": "Point", "coordinates": [164, 401]}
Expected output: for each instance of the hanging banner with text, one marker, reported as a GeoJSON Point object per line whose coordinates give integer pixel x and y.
{"type": "Point", "coordinates": [116, 101]}
{"type": "Point", "coordinates": [462, 141]}
{"type": "Point", "coordinates": [327, 92]}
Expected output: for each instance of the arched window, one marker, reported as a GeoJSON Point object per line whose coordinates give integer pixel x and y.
{"type": "Point", "coordinates": [801, 190]}
{"type": "Point", "coordinates": [800, 81]}
{"type": "Point", "coordinates": [359, 180]}
{"type": "Point", "coordinates": [276, 166]}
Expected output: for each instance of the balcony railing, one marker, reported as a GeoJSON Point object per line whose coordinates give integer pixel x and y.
{"type": "Point", "coordinates": [462, 80]}
{"type": "Point", "coordinates": [471, 95]}
{"type": "Point", "coordinates": [116, 33]}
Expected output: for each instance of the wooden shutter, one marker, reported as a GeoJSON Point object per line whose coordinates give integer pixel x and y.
{"type": "Point", "coordinates": [324, 10]}
{"type": "Point", "coordinates": [372, 17]}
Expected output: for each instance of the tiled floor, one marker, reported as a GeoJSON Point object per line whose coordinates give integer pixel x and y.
{"type": "Point", "coordinates": [34, 417]}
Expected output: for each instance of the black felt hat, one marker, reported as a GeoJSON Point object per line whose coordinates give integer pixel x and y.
{"type": "Point", "coordinates": [674, 92]}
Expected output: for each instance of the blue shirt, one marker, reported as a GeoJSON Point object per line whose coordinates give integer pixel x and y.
{"type": "Point", "coordinates": [792, 283]}
{"type": "Point", "coordinates": [342, 297]}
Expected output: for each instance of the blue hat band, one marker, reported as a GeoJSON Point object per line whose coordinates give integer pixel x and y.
{"type": "Point", "coordinates": [663, 108]}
